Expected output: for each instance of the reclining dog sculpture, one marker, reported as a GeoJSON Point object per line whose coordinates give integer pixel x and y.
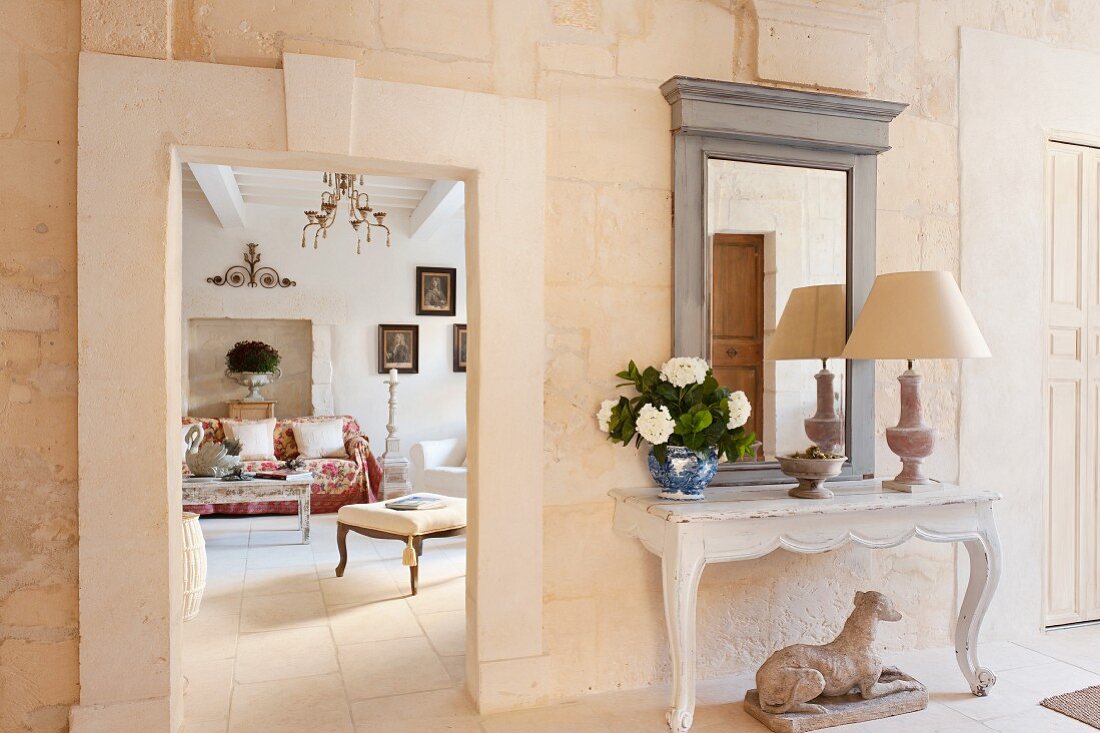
{"type": "Point", "coordinates": [796, 674]}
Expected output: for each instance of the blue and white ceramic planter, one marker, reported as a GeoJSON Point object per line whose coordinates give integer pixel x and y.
{"type": "Point", "coordinates": [684, 475]}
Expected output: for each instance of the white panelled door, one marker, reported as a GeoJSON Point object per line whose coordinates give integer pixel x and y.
{"type": "Point", "coordinates": [1071, 388]}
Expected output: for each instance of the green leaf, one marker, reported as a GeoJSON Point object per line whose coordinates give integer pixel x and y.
{"type": "Point", "coordinates": [660, 452]}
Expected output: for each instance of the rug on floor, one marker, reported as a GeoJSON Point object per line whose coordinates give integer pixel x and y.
{"type": "Point", "coordinates": [1083, 705]}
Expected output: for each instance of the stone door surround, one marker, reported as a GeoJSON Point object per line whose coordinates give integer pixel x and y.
{"type": "Point", "coordinates": [139, 119]}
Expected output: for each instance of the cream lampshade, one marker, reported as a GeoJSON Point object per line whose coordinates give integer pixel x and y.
{"type": "Point", "coordinates": [812, 327]}
{"type": "Point", "coordinates": [914, 315]}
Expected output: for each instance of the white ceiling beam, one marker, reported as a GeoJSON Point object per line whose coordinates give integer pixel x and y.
{"type": "Point", "coordinates": [221, 189]}
{"type": "Point", "coordinates": [439, 204]}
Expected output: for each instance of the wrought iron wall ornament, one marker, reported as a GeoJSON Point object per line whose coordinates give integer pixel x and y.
{"type": "Point", "coordinates": [251, 275]}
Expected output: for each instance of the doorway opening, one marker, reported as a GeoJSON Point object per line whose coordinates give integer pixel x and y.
{"type": "Point", "coordinates": [366, 404]}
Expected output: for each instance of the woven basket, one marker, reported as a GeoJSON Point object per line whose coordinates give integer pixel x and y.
{"type": "Point", "coordinates": [194, 565]}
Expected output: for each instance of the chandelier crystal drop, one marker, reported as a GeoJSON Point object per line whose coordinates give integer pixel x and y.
{"type": "Point", "coordinates": [341, 186]}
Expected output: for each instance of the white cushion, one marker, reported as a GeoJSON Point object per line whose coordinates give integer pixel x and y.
{"type": "Point", "coordinates": [323, 439]}
{"type": "Point", "coordinates": [257, 438]}
{"type": "Point", "coordinates": [449, 480]}
{"type": "Point", "coordinates": [406, 523]}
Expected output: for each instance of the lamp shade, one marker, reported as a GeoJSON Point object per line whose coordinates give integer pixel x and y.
{"type": "Point", "coordinates": [915, 315]}
{"type": "Point", "coordinates": [812, 325]}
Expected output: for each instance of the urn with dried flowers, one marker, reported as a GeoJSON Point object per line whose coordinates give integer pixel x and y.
{"type": "Point", "coordinates": [252, 364]}
{"type": "Point", "coordinates": [686, 417]}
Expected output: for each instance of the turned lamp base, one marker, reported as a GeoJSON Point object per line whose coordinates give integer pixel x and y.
{"type": "Point", "coordinates": [826, 428]}
{"type": "Point", "coordinates": [911, 440]}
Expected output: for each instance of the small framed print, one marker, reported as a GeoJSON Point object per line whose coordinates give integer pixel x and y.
{"type": "Point", "coordinates": [435, 291]}
{"type": "Point", "coordinates": [399, 348]}
{"type": "Point", "coordinates": [459, 347]}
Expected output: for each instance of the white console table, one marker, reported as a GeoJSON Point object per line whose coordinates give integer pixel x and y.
{"type": "Point", "coordinates": [739, 524]}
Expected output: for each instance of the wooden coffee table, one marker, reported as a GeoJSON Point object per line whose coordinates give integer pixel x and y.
{"type": "Point", "coordinates": [215, 491]}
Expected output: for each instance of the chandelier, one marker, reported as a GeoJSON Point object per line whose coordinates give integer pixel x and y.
{"type": "Point", "coordinates": [344, 185]}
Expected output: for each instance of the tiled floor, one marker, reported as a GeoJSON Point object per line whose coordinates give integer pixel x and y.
{"type": "Point", "coordinates": [282, 645]}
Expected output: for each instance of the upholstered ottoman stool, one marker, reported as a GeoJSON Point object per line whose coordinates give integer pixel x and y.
{"type": "Point", "coordinates": [409, 526]}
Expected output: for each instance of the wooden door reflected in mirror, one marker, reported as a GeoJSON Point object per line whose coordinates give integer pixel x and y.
{"type": "Point", "coordinates": [737, 325]}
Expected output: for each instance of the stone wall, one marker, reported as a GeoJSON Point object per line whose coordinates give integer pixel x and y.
{"type": "Point", "coordinates": [597, 64]}
{"type": "Point", "coordinates": [39, 42]}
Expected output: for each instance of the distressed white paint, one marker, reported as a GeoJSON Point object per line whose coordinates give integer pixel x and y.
{"type": "Point", "coordinates": [729, 527]}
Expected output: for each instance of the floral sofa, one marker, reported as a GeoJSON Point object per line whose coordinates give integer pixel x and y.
{"type": "Point", "coordinates": [338, 481]}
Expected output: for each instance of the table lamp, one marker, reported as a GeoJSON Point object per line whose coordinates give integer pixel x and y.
{"type": "Point", "coordinates": [812, 327]}
{"type": "Point", "coordinates": [914, 315]}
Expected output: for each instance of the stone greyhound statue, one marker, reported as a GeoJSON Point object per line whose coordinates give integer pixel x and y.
{"type": "Point", "coordinates": [796, 674]}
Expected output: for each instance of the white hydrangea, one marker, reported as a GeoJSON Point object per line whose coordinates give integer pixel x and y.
{"type": "Point", "coordinates": [681, 371]}
{"type": "Point", "coordinates": [740, 409]}
{"type": "Point", "coordinates": [603, 417]}
{"type": "Point", "coordinates": [654, 425]}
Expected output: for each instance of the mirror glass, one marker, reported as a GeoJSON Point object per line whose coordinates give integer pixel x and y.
{"type": "Point", "coordinates": [774, 230]}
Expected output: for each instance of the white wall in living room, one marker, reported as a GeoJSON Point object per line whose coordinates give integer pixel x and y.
{"type": "Point", "coordinates": [346, 296]}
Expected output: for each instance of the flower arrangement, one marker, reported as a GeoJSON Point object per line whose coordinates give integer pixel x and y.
{"type": "Point", "coordinates": [252, 356]}
{"type": "Point", "coordinates": [681, 404]}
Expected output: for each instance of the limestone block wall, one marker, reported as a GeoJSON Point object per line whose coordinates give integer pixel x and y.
{"type": "Point", "coordinates": [597, 64]}
{"type": "Point", "coordinates": [38, 471]}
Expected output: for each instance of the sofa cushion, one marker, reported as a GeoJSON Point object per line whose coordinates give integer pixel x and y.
{"type": "Point", "coordinates": [450, 480]}
{"type": "Point", "coordinates": [324, 439]}
{"type": "Point", "coordinates": [257, 438]}
{"type": "Point", "coordinates": [405, 523]}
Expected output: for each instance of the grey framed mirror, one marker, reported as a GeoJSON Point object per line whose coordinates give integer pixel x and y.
{"type": "Point", "coordinates": [774, 208]}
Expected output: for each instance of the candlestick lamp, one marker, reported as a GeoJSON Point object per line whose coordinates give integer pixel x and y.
{"type": "Point", "coordinates": [812, 327]}
{"type": "Point", "coordinates": [914, 315]}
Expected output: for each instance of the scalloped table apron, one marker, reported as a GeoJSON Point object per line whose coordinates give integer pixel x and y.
{"type": "Point", "coordinates": [735, 524]}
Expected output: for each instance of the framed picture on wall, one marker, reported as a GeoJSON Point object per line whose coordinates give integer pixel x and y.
{"type": "Point", "coordinates": [459, 347]}
{"type": "Point", "coordinates": [399, 348]}
{"type": "Point", "coordinates": [435, 291]}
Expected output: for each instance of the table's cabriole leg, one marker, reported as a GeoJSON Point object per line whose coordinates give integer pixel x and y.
{"type": "Point", "coordinates": [303, 516]}
{"type": "Point", "coordinates": [681, 565]}
{"type": "Point", "coordinates": [985, 572]}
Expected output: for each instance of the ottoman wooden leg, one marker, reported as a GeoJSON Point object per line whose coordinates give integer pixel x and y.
{"type": "Point", "coordinates": [342, 544]}
{"type": "Point", "coordinates": [414, 574]}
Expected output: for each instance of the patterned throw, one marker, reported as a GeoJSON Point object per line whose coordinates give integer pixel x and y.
{"type": "Point", "coordinates": [1083, 705]}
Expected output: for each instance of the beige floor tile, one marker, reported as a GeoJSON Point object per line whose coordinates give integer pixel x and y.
{"type": "Point", "coordinates": [221, 599]}
{"type": "Point", "coordinates": [205, 726]}
{"type": "Point", "coordinates": [314, 704]}
{"type": "Point", "coordinates": [456, 668]}
{"type": "Point", "coordinates": [446, 631]}
{"type": "Point", "coordinates": [208, 688]}
{"type": "Point", "coordinates": [1038, 720]}
{"type": "Point", "coordinates": [279, 556]}
{"type": "Point", "coordinates": [436, 597]}
{"type": "Point", "coordinates": [422, 725]}
{"type": "Point", "coordinates": [443, 704]}
{"type": "Point", "coordinates": [380, 668]}
{"type": "Point", "coordinates": [282, 611]}
{"type": "Point", "coordinates": [935, 719]}
{"type": "Point", "coordinates": [276, 655]}
{"type": "Point", "coordinates": [268, 581]}
{"type": "Point", "coordinates": [378, 621]}
{"type": "Point", "coordinates": [360, 587]}
{"type": "Point", "coordinates": [210, 637]}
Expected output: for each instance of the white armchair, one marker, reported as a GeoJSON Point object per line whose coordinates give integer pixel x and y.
{"type": "Point", "coordinates": [439, 466]}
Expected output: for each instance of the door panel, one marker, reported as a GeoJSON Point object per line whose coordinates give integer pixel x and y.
{"type": "Point", "coordinates": [737, 318]}
{"type": "Point", "coordinates": [1071, 392]}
